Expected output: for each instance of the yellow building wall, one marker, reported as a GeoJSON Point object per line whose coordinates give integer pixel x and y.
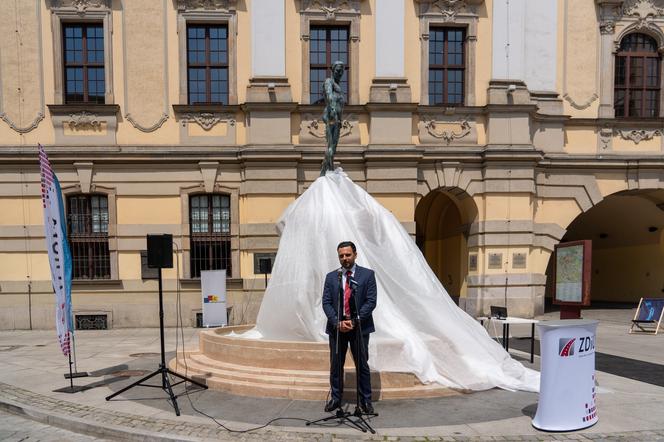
{"type": "Point", "coordinates": [401, 206]}
{"type": "Point", "coordinates": [508, 207]}
{"type": "Point", "coordinates": [263, 209]}
{"type": "Point", "coordinates": [561, 211]}
{"type": "Point", "coordinates": [580, 140]}
{"type": "Point", "coordinates": [610, 183]}
{"type": "Point", "coordinates": [18, 266]}
{"type": "Point", "coordinates": [627, 273]}
{"type": "Point", "coordinates": [149, 210]}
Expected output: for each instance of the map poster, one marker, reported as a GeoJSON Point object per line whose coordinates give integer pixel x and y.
{"type": "Point", "coordinates": [572, 273]}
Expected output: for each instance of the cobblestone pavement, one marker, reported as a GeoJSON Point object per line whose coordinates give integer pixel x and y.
{"type": "Point", "coordinates": [42, 410]}
{"type": "Point", "coordinates": [15, 428]}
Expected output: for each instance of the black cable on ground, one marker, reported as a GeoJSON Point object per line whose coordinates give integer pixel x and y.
{"type": "Point", "coordinates": [179, 325]}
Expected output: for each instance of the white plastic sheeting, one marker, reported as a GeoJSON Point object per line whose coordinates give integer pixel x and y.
{"type": "Point", "coordinates": [419, 329]}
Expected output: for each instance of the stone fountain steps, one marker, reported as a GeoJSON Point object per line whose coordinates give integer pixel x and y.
{"type": "Point", "coordinates": [297, 384]}
{"type": "Point", "coordinates": [252, 381]}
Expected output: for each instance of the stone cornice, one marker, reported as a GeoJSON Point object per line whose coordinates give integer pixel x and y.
{"type": "Point", "coordinates": [646, 123]}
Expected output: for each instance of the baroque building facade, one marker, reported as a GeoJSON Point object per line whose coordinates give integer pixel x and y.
{"type": "Point", "coordinates": [492, 129]}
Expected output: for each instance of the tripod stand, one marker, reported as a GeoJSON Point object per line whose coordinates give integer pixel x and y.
{"type": "Point", "coordinates": [355, 419]}
{"type": "Point", "coordinates": [163, 370]}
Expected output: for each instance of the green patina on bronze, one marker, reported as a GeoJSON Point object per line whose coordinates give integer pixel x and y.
{"type": "Point", "coordinates": [332, 115]}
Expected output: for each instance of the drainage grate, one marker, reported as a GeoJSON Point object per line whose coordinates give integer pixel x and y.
{"type": "Point", "coordinates": [91, 322]}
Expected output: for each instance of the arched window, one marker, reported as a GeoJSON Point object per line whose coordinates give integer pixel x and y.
{"type": "Point", "coordinates": [637, 77]}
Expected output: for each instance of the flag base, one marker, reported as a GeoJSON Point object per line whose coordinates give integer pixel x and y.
{"type": "Point", "coordinates": [70, 389]}
{"type": "Point", "coordinates": [76, 374]}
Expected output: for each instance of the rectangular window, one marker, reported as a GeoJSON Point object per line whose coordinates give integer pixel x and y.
{"type": "Point", "coordinates": [446, 65]}
{"type": "Point", "coordinates": [210, 224]}
{"type": "Point", "coordinates": [327, 44]}
{"type": "Point", "coordinates": [207, 64]}
{"type": "Point", "coordinates": [84, 63]}
{"type": "Point", "coordinates": [87, 227]}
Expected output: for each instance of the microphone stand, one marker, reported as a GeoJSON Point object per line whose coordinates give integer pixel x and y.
{"type": "Point", "coordinates": [361, 360]}
{"type": "Point", "coordinates": [344, 416]}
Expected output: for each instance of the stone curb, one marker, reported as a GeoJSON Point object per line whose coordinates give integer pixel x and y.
{"type": "Point", "coordinates": [82, 426]}
{"type": "Point", "coordinates": [97, 425]}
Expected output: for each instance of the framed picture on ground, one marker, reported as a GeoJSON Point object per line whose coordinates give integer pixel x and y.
{"type": "Point", "coordinates": [571, 273]}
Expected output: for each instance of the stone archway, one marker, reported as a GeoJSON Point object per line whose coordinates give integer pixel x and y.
{"type": "Point", "coordinates": [443, 218]}
{"type": "Point", "coordinates": [627, 231]}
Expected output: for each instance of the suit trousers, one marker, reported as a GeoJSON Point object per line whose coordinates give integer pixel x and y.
{"type": "Point", "coordinates": [361, 359]}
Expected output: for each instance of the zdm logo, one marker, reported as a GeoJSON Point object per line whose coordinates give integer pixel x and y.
{"type": "Point", "coordinates": [566, 346]}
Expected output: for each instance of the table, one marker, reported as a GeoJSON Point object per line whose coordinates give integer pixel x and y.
{"type": "Point", "coordinates": [505, 322]}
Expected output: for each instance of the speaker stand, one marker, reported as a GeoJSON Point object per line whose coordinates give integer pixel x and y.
{"type": "Point", "coordinates": [163, 370]}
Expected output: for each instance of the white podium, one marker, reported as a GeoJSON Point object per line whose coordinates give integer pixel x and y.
{"type": "Point", "coordinates": [567, 381]}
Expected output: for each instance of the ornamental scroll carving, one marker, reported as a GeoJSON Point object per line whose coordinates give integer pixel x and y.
{"type": "Point", "coordinates": [443, 131]}
{"type": "Point", "coordinates": [639, 135]}
{"type": "Point", "coordinates": [448, 8]}
{"type": "Point", "coordinates": [83, 120]}
{"type": "Point", "coordinates": [214, 5]}
{"type": "Point", "coordinates": [605, 137]}
{"type": "Point", "coordinates": [642, 9]}
{"type": "Point", "coordinates": [331, 7]}
{"type": "Point", "coordinates": [207, 120]}
{"type": "Point", "coordinates": [82, 6]}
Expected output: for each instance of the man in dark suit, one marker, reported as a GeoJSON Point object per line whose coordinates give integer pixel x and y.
{"type": "Point", "coordinates": [349, 298]}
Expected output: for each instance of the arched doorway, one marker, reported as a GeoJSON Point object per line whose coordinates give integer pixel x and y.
{"type": "Point", "coordinates": [443, 219]}
{"type": "Point", "coordinates": [627, 234]}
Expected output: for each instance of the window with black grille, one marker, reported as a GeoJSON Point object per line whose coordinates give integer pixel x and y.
{"type": "Point", "coordinates": [446, 65]}
{"type": "Point", "coordinates": [84, 63]}
{"type": "Point", "coordinates": [87, 227]}
{"type": "Point", "coordinates": [637, 77]}
{"type": "Point", "coordinates": [210, 230]}
{"type": "Point", "coordinates": [207, 64]}
{"type": "Point", "coordinates": [327, 44]}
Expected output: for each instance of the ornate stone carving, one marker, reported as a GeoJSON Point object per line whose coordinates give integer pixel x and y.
{"type": "Point", "coordinates": [642, 9]}
{"type": "Point", "coordinates": [331, 7]}
{"type": "Point", "coordinates": [24, 129]}
{"type": "Point", "coordinates": [215, 5]}
{"type": "Point", "coordinates": [316, 127]}
{"type": "Point", "coordinates": [147, 129]}
{"type": "Point", "coordinates": [639, 135]}
{"type": "Point", "coordinates": [605, 137]}
{"type": "Point", "coordinates": [82, 6]}
{"type": "Point", "coordinates": [607, 27]}
{"type": "Point", "coordinates": [448, 8]}
{"type": "Point", "coordinates": [645, 11]}
{"type": "Point", "coordinates": [447, 135]}
{"type": "Point", "coordinates": [583, 105]}
{"type": "Point", "coordinates": [83, 120]}
{"type": "Point", "coordinates": [207, 120]}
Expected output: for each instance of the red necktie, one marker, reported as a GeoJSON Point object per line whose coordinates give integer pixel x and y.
{"type": "Point", "coordinates": [347, 294]}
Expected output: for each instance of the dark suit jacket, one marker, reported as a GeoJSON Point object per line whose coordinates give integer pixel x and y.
{"type": "Point", "coordinates": [365, 297]}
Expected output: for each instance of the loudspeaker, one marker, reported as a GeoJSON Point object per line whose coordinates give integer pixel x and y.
{"type": "Point", "coordinates": [160, 251]}
{"type": "Point", "coordinates": [265, 265]}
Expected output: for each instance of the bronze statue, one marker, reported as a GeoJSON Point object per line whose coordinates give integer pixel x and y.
{"type": "Point", "coordinates": [332, 116]}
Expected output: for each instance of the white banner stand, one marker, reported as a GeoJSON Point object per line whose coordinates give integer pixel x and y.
{"type": "Point", "coordinates": [213, 291]}
{"type": "Point", "coordinates": [567, 380]}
